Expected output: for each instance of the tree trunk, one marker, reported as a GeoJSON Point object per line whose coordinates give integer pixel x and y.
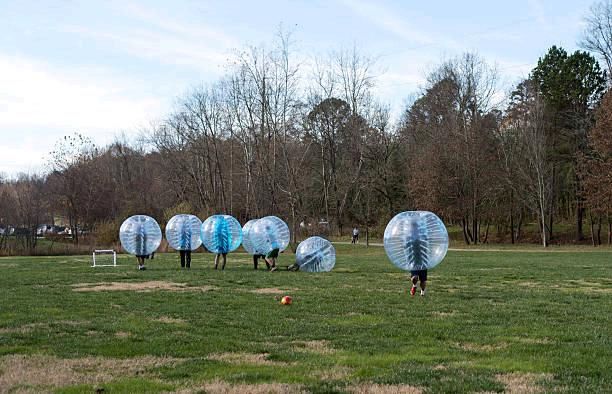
{"type": "Point", "coordinates": [599, 231]}
{"type": "Point", "coordinates": [486, 236]}
{"type": "Point", "coordinates": [592, 230]}
{"type": "Point", "coordinates": [466, 235]}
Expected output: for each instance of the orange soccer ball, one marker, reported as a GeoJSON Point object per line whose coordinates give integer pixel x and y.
{"type": "Point", "coordinates": [286, 300]}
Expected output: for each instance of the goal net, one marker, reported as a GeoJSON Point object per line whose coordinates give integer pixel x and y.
{"type": "Point", "coordinates": [104, 258]}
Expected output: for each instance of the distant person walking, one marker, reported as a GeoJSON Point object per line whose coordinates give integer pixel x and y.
{"type": "Point", "coordinates": [355, 238]}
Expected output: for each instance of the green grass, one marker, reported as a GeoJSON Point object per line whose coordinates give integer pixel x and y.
{"type": "Point", "coordinates": [490, 319]}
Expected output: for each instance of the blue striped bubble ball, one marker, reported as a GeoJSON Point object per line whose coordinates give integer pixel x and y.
{"type": "Point", "coordinates": [416, 240]}
{"type": "Point", "coordinates": [140, 235]}
{"type": "Point", "coordinates": [183, 232]}
{"type": "Point", "coordinates": [221, 234]}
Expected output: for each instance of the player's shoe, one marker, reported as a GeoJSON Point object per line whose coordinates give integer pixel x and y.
{"type": "Point", "coordinates": [413, 290]}
{"type": "Point", "coordinates": [422, 293]}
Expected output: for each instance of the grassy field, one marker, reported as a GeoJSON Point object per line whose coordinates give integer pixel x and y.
{"type": "Point", "coordinates": [491, 322]}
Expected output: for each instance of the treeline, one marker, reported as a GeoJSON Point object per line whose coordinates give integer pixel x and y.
{"type": "Point", "coordinates": [315, 147]}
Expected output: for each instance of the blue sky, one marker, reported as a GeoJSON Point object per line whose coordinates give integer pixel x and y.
{"type": "Point", "coordinates": [105, 68]}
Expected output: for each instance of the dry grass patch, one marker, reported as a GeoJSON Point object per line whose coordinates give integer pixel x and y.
{"type": "Point", "coordinates": [372, 388]}
{"type": "Point", "coordinates": [122, 334]}
{"type": "Point", "coordinates": [319, 347]}
{"type": "Point", "coordinates": [220, 387]}
{"type": "Point", "coordinates": [441, 314]}
{"type": "Point", "coordinates": [155, 285]}
{"type": "Point", "coordinates": [333, 373]}
{"type": "Point", "coordinates": [169, 320]}
{"type": "Point", "coordinates": [523, 383]}
{"type": "Point", "coordinates": [246, 358]}
{"type": "Point", "coordinates": [271, 290]}
{"type": "Point", "coordinates": [48, 371]}
{"type": "Point", "coordinates": [533, 341]}
{"type": "Point", "coordinates": [25, 329]}
{"type": "Point", "coordinates": [476, 347]}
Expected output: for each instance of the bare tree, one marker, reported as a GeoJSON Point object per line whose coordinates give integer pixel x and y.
{"type": "Point", "coordinates": [527, 156]}
{"type": "Point", "coordinates": [597, 37]}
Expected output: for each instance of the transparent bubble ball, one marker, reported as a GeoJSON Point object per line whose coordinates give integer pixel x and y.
{"type": "Point", "coordinates": [140, 235]}
{"type": "Point", "coordinates": [270, 233]}
{"type": "Point", "coordinates": [416, 240]}
{"type": "Point", "coordinates": [183, 232]}
{"type": "Point", "coordinates": [221, 234]}
{"type": "Point", "coordinates": [315, 254]}
{"type": "Point", "coordinates": [247, 237]}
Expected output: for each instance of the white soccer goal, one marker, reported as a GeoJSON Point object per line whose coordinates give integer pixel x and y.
{"type": "Point", "coordinates": [104, 261]}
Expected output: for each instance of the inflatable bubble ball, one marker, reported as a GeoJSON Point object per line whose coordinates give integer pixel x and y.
{"type": "Point", "coordinates": [270, 233]}
{"type": "Point", "coordinates": [140, 235]}
{"type": "Point", "coordinates": [315, 254]}
{"type": "Point", "coordinates": [247, 237]}
{"type": "Point", "coordinates": [416, 240]}
{"type": "Point", "coordinates": [221, 234]}
{"type": "Point", "coordinates": [183, 232]}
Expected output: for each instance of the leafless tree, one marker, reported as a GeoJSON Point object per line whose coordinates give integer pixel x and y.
{"type": "Point", "coordinates": [597, 37]}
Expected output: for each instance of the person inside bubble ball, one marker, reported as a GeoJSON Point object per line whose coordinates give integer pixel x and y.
{"type": "Point", "coordinates": [256, 258]}
{"type": "Point", "coordinates": [224, 255]}
{"type": "Point", "coordinates": [417, 243]}
{"type": "Point", "coordinates": [270, 259]}
{"type": "Point", "coordinates": [141, 241]}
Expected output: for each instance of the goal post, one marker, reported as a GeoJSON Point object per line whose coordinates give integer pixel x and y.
{"type": "Point", "coordinates": [103, 263]}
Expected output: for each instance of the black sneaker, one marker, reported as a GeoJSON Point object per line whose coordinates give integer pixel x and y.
{"type": "Point", "coordinates": [142, 268]}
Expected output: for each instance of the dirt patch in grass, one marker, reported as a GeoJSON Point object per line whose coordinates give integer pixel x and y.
{"type": "Point", "coordinates": [169, 320]}
{"type": "Point", "coordinates": [523, 383]}
{"type": "Point", "coordinates": [246, 358]}
{"type": "Point", "coordinates": [48, 371]}
{"type": "Point", "coordinates": [372, 388]}
{"type": "Point", "coordinates": [139, 286]}
{"type": "Point", "coordinates": [220, 387]}
{"type": "Point", "coordinates": [271, 290]}
{"type": "Point", "coordinates": [122, 334]}
{"type": "Point", "coordinates": [319, 347]}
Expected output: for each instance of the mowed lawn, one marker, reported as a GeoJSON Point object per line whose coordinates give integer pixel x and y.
{"type": "Point", "coordinates": [491, 322]}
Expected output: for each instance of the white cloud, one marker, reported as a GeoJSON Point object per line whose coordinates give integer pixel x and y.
{"type": "Point", "coordinates": [159, 37]}
{"type": "Point", "coordinates": [36, 94]}
{"type": "Point", "coordinates": [40, 103]}
{"type": "Point", "coordinates": [388, 21]}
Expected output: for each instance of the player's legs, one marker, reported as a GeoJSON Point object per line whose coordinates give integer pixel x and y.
{"type": "Point", "coordinates": [224, 260]}
{"type": "Point", "coordinates": [414, 280]}
{"type": "Point", "coordinates": [217, 260]}
{"type": "Point", "coordinates": [188, 259]}
{"type": "Point", "coordinates": [182, 253]}
{"type": "Point", "coordinates": [423, 280]}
